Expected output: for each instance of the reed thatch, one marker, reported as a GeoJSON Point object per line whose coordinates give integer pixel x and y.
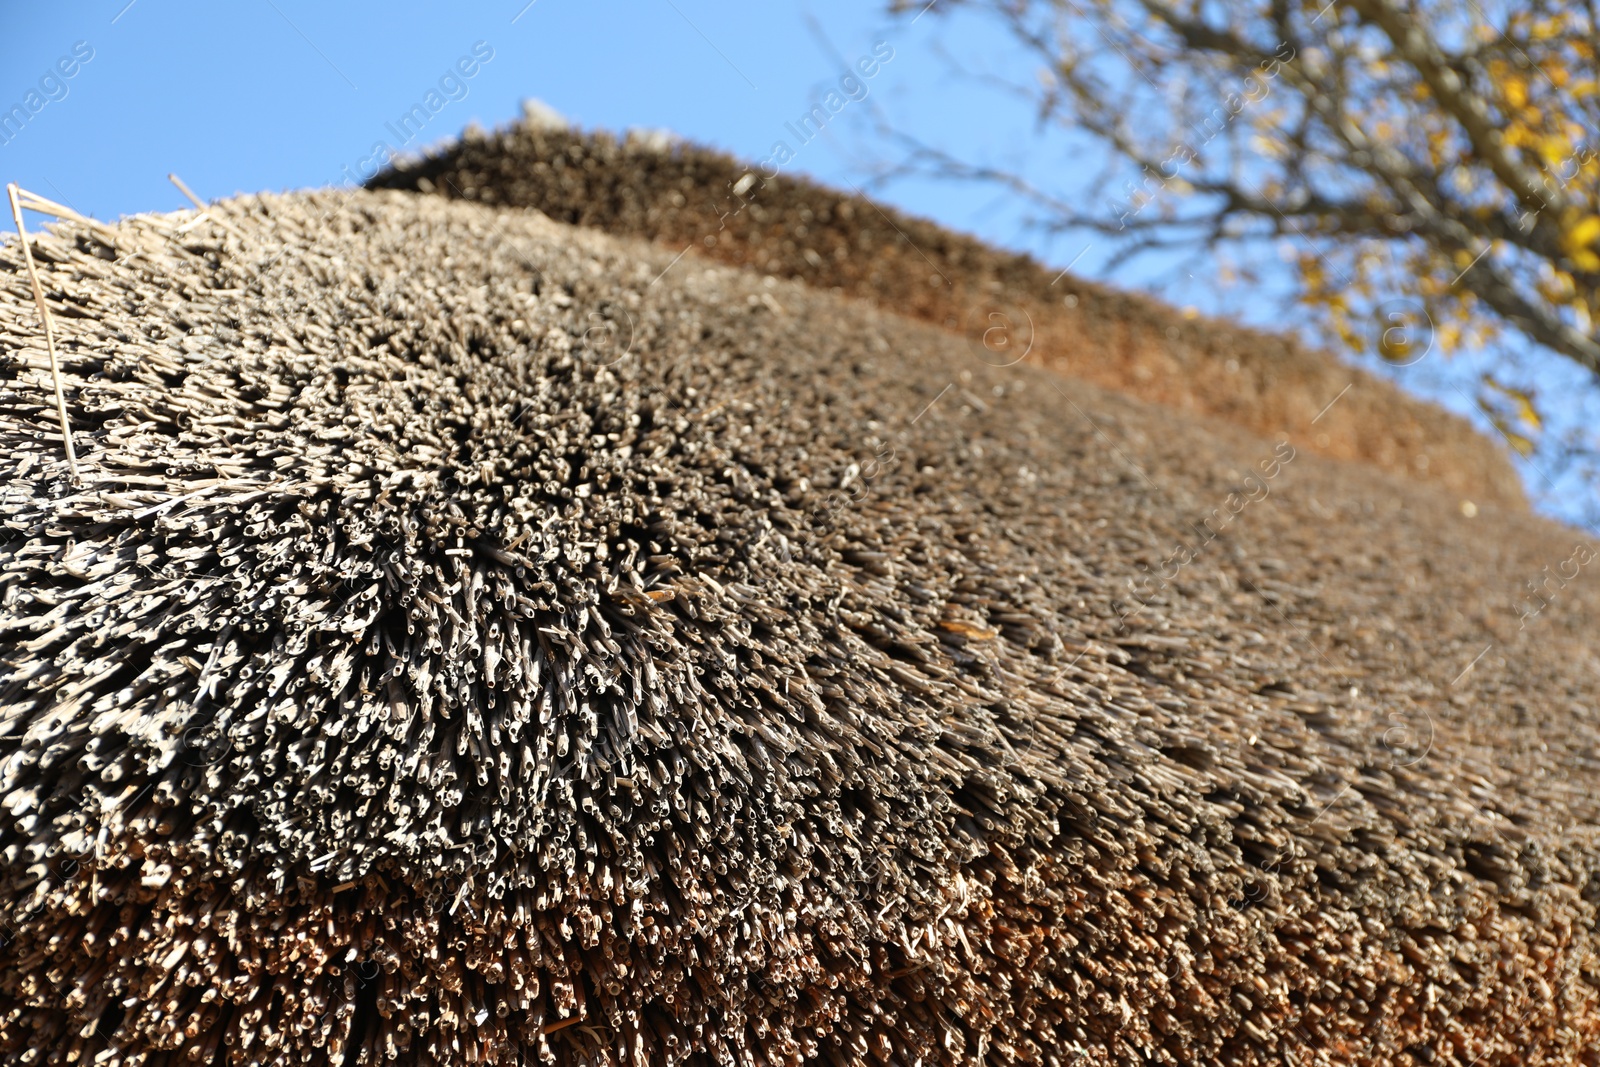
{"type": "Point", "coordinates": [1009, 306]}
{"type": "Point", "coordinates": [478, 640]}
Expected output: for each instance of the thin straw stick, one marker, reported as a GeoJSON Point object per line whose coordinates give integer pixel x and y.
{"type": "Point", "coordinates": [204, 209]}
{"type": "Point", "coordinates": [186, 191]}
{"type": "Point", "coordinates": [49, 332]}
{"type": "Point", "coordinates": [34, 202]}
{"type": "Point", "coordinates": [31, 201]}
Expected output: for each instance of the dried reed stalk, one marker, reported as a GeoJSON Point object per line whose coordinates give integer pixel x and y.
{"type": "Point", "coordinates": [49, 331]}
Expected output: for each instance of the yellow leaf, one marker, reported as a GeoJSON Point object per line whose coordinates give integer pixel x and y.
{"type": "Point", "coordinates": [1584, 233]}
{"type": "Point", "coordinates": [1519, 443]}
{"type": "Point", "coordinates": [1554, 150]}
{"type": "Point", "coordinates": [1528, 413]}
{"type": "Point", "coordinates": [1523, 401]}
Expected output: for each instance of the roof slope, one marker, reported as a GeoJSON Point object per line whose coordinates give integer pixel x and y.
{"type": "Point", "coordinates": [476, 642]}
{"type": "Point", "coordinates": [1007, 304]}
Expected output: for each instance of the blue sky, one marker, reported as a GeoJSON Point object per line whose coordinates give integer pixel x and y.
{"type": "Point", "coordinates": [279, 94]}
{"type": "Point", "coordinates": [270, 94]}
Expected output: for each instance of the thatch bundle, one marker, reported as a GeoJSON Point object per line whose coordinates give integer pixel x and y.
{"type": "Point", "coordinates": [478, 640]}
{"type": "Point", "coordinates": [1008, 306]}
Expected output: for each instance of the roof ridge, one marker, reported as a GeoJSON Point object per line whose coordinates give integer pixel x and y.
{"type": "Point", "coordinates": [708, 202]}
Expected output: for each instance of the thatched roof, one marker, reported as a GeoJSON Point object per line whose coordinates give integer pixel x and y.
{"type": "Point", "coordinates": [476, 639]}
{"type": "Point", "coordinates": [1008, 306]}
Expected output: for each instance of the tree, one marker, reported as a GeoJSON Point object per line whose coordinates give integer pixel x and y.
{"type": "Point", "coordinates": [1437, 157]}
